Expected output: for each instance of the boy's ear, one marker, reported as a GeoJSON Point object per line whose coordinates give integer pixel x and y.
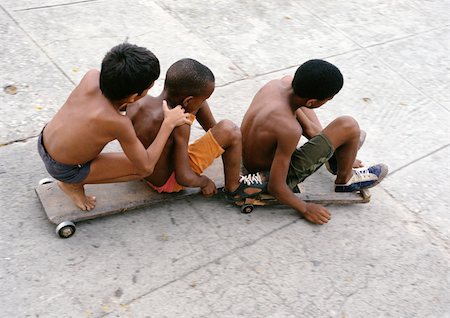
{"type": "Point", "coordinates": [132, 98]}
{"type": "Point", "coordinates": [186, 101]}
{"type": "Point", "coordinates": [310, 102]}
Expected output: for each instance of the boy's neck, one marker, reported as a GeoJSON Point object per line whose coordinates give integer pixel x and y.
{"type": "Point", "coordinates": [295, 102]}
{"type": "Point", "coordinates": [171, 101]}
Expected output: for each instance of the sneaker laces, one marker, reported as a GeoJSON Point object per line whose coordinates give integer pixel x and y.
{"type": "Point", "coordinates": [251, 178]}
{"type": "Point", "coordinates": [363, 175]}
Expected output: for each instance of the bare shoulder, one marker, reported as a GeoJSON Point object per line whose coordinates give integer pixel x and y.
{"type": "Point", "coordinates": [91, 80]}
{"type": "Point", "coordinates": [147, 104]}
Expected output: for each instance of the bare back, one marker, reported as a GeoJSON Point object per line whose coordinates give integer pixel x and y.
{"type": "Point", "coordinates": [84, 125]}
{"type": "Point", "coordinates": [147, 116]}
{"type": "Point", "coordinates": [268, 121]}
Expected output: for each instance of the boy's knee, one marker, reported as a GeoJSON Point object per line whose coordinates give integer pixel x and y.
{"type": "Point", "coordinates": [349, 125]}
{"type": "Point", "coordinates": [228, 130]}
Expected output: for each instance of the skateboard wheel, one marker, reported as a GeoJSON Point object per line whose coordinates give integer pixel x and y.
{"type": "Point", "coordinates": [65, 229]}
{"type": "Point", "coordinates": [45, 181]}
{"type": "Point", "coordinates": [247, 208]}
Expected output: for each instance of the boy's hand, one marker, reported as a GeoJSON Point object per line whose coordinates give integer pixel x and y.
{"type": "Point", "coordinates": [316, 213]}
{"type": "Point", "coordinates": [175, 116]}
{"type": "Point", "coordinates": [209, 189]}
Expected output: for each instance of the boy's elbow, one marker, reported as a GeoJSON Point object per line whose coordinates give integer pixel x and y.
{"type": "Point", "coordinates": [146, 171]}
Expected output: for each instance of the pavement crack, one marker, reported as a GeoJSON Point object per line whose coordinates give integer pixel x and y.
{"type": "Point", "coordinates": [25, 139]}
{"type": "Point", "coordinates": [38, 45]}
{"type": "Point", "coordinates": [205, 265]}
{"type": "Point", "coordinates": [418, 159]}
{"type": "Point", "coordinates": [54, 5]}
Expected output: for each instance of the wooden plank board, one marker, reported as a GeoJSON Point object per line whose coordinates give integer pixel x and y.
{"type": "Point", "coordinates": [113, 198]}
{"type": "Point", "coordinates": [121, 197]}
{"type": "Point", "coordinates": [319, 198]}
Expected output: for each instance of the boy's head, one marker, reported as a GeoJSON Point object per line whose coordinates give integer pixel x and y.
{"type": "Point", "coordinates": [189, 83]}
{"type": "Point", "coordinates": [317, 81]}
{"type": "Point", "coordinates": [128, 71]}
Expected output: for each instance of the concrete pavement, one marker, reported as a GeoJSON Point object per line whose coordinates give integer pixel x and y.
{"type": "Point", "coordinates": [202, 258]}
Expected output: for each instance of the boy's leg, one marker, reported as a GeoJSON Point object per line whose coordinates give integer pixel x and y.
{"type": "Point", "coordinates": [340, 137]}
{"type": "Point", "coordinates": [223, 139]}
{"type": "Point", "coordinates": [106, 168]}
{"type": "Point", "coordinates": [343, 134]}
{"type": "Point", "coordinates": [228, 136]}
{"type": "Point", "coordinates": [307, 159]}
{"type": "Point", "coordinates": [110, 168]}
{"type": "Point", "coordinates": [311, 114]}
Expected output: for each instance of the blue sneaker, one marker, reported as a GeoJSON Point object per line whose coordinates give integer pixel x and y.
{"type": "Point", "coordinates": [331, 164]}
{"type": "Point", "coordinates": [364, 178]}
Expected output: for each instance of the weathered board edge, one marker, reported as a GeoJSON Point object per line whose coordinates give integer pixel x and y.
{"type": "Point", "coordinates": [319, 198]}
{"type": "Point", "coordinates": [55, 210]}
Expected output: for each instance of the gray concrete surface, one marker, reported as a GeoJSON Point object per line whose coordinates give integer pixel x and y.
{"type": "Point", "coordinates": [202, 258]}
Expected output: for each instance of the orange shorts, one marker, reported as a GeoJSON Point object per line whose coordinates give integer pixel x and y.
{"type": "Point", "coordinates": [202, 154]}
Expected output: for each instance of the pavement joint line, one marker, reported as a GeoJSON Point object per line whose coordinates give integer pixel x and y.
{"type": "Point", "coordinates": [182, 276]}
{"type": "Point", "coordinates": [434, 232]}
{"type": "Point", "coordinates": [407, 36]}
{"type": "Point", "coordinates": [18, 140]}
{"type": "Point", "coordinates": [54, 5]}
{"type": "Point", "coordinates": [418, 159]}
{"type": "Point", "coordinates": [400, 74]}
{"type": "Point", "coordinates": [330, 26]}
{"type": "Point", "coordinates": [365, 48]}
{"type": "Point", "coordinates": [248, 77]}
{"type": "Point", "coordinates": [179, 18]}
{"type": "Point", "coordinates": [37, 45]}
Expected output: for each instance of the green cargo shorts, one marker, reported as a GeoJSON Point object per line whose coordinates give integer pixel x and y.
{"type": "Point", "coordinates": [308, 159]}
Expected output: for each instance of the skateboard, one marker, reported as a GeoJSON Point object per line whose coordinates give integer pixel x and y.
{"type": "Point", "coordinates": [126, 196]}
{"type": "Point", "coordinates": [363, 196]}
{"type": "Point", "coordinates": [317, 188]}
{"type": "Point", "coordinates": [112, 198]}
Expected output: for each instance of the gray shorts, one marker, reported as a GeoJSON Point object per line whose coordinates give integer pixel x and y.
{"type": "Point", "coordinates": [308, 159]}
{"type": "Point", "coordinates": [62, 172]}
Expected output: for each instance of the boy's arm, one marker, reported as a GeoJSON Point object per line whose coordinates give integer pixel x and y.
{"type": "Point", "coordinates": [310, 129]}
{"type": "Point", "coordinates": [205, 117]}
{"type": "Point", "coordinates": [145, 159]}
{"type": "Point", "coordinates": [277, 182]}
{"type": "Point", "coordinates": [184, 174]}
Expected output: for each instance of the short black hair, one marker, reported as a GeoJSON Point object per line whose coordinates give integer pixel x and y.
{"type": "Point", "coordinates": [188, 77]}
{"type": "Point", "coordinates": [127, 69]}
{"type": "Point", "coordinates": [317, 79]}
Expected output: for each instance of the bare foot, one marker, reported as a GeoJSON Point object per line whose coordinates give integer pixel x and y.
{"type": "Point", "coordinates": [76, 193]}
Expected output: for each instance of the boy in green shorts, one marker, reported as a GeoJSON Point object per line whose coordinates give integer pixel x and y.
{"type": "Point", "coordinates": [274, 123]}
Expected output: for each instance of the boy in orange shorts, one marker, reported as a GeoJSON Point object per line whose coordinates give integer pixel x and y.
{"type": "Point", "coordinates": [189, 83]}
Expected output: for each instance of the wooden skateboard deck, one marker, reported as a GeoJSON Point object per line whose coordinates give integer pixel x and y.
{"type": "Point", "coordinates": [121, 197]}
{"type": "Point", "coordinates": [362, 196]}
{"type": "Point", "coordinates": [111, 199]}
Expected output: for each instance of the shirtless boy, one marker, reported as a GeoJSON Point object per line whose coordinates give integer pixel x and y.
{"type": "Point", "coordinates": [190, 83]}
{"type": "Point", "coordinates": [71, 143]}
{"type": "Point", "coordinates": [273, 125]}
